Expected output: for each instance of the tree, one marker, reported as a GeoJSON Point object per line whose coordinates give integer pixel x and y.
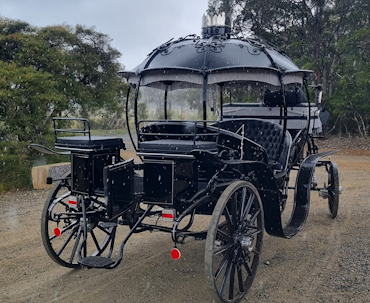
{"type": "Point", "coordinates": [26, 99]}
{"type": "Point", "coordinates": [317, 35]}
{"type": "Point", "coordinates": [48, 72]}
{"type": "Point", "coordinates": [306, 29]}
{"type": "Point", "coordinates": [81, 61]}
{"type": "Point", "coordinates": [351, 101]}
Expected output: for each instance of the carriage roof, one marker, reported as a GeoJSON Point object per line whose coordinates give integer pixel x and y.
{"type": "Point", "coordinates": [187, 62]}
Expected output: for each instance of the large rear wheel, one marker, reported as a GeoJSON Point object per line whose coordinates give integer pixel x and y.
{"type": "Point", "coordinates": [234, 242]}
{"type": "Point", "coordinates": [63, 226]}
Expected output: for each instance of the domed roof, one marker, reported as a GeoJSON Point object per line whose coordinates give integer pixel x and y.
{"type": "Point", "coordinates": [223, 59]}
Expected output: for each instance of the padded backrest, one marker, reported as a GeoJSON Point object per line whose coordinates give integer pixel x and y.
{"type": "Point", "coordinates": [265, 133]}
{"type": "Point", "coordinates": [292, 98]}
{"type": "Point", "coordinates": [176, 130]}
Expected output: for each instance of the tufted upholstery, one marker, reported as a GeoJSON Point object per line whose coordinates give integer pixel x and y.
{"type": "Point", "coordinates": [265, 133]}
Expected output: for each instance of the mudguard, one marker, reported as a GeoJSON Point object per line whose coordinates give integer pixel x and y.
{"type": "Point", "coordinates": [302, 192]}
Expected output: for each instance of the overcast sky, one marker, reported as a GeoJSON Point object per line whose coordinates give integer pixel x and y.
{"type": "Point", "coordinates": [136, 26]}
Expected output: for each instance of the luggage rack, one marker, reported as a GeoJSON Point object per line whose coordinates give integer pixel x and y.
{"type": "Point", "coordinates": [85, 130]}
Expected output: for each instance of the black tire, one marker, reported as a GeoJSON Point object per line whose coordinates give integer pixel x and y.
{"type": "Point", "coordinates": [63, 249]}
{"type": "Point", "coordinates": [234, 242]}
{"type": "Point", "coordinates": [333, 190]}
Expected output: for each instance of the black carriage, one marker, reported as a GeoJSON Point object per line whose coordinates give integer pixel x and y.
{"type": "Point", "coordinates": [235, 168]}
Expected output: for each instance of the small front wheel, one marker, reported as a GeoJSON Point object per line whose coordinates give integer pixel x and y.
{"type": "Point", "coordinates": [63, 226]}
{"type": "Point", "coordinates": [333, 190]}
{"type": "Point", "coordinates": [234, 242]}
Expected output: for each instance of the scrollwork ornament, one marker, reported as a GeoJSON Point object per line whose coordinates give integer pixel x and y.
{"type": "Point", "coordinates": [166, 49]}
{"type": "Point", "coordinates": [215, 44]}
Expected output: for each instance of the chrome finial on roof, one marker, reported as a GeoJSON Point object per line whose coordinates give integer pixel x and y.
{"type": "Point", "coordinates": [215, 26]}
{"type": "Point", "coordinates": [215, 20]}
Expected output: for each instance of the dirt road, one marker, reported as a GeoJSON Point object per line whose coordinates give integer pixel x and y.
{"type": "Point", "coordinates": [326, 262]}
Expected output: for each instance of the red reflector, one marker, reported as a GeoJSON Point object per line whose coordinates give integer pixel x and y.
{"type": "Point", "coordinates": [57, 231]}
{"type": "Point", "coordinates": [175, 254]}
{"type": "Point", "coordinates": [168, 214]}
{"type": "Point", "coordinates": [72, 200]}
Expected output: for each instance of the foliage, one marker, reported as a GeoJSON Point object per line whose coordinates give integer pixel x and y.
{"type": "Point", "coordinates": [327, 36]}
{"type": "Point", "coordinates": [26, 96]}
{"type": "Point", "coordinates": [15, 165]}
{"type": "Point", "coordinates": [48, 72]}
{"type": "Point", "coordinates": [351, 101]}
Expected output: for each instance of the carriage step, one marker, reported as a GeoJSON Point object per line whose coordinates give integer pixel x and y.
{"type": "Point", "coordinates": [96, 262]}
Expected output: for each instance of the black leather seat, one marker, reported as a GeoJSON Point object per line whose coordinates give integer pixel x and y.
{"type": "Point", "coordinates": [86, 143]}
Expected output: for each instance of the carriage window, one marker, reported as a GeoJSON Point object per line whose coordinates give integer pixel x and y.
{"type": "Point", "coordinates": [245, 92]}
{"type": "Point", "coordinates": [182, 104]}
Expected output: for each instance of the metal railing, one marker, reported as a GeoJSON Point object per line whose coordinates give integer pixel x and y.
{"type": "Point", "coordinates": [85, 130]}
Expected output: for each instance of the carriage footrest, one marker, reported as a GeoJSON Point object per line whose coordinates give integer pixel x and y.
{"type": "Point", "coordinates": [96, 262]}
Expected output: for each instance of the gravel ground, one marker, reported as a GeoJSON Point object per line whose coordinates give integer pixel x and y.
{"type": "Point", "coordinates": [328, 261]}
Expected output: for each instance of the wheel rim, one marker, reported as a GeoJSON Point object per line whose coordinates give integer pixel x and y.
{"type": "Point", "coordinates": [333, 190]}
{"type": "Point", "coordinates": [59, 217]}
{"type": "Point", "coordinates": [234, 242]}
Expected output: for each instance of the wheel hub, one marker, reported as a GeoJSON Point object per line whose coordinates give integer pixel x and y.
{"type": "Point", "coordinates": [247, 243]}
{"type": "Point", "coordinates": [89, 224]}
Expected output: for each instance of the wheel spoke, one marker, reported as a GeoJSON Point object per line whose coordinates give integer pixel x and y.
{"type": "Point", "coordinates": [245, 263]}
{"type": "Point", "coordinates": [228, 219]}
{"type": "Point", "coordinates": [67, 241]}
{"type": "Point", "coordinates": [223, 249]}
{"type": "Point", "coordinates": [240, 277]}
{"type": "Point", "coordinates": [244, 196]}
{"type": "Point", "coordinates": [254, 233]}
{"type": "Point", "coordinates": [219, 231]}
{"type": "Point", "coordinates": [64, 230]}
{"type": "Point", "coordinates": [254, 217]}
{"type": "Point", "coordinates": [234, 206]}
{"type": "Point", "coordinates": [226, 277]}
{"type": "Point", "coordinates": [222, 265]}
{"type": "Point", "coordinates": [73, 253]}
{"type": "Point", "coordinates": [232, 281]}
{"type": "Point", "coordinates": [248, 206]}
